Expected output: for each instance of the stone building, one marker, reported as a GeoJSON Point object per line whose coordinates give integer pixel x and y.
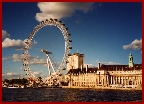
{"type": "Point", "coordinates": [75, 61]}
{"type": "Point", "coordinates": [106, 75]}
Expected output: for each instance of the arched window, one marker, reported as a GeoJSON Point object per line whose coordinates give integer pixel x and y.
{"type": "Point", "coordinates": [130, 82]}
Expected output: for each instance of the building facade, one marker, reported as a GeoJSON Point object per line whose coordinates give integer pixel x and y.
{"type": "Point", "coordinates": [75, 61]}
{"type": "Point", "coordinates": [122, 76]}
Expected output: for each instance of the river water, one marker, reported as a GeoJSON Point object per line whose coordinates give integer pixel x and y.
{"type": "Point", "coordinates": [69, 95]}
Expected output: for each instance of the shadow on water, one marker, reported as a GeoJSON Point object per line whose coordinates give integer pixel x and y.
{"type": "Point", "coordinates": [69, 95]}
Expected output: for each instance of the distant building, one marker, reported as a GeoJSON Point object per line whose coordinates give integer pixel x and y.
{"type": "Point", "coordinates": [104, 75]}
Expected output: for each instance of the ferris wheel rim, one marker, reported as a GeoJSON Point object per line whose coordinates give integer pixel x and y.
{"type": "Point", "coordinates": [28, 43]}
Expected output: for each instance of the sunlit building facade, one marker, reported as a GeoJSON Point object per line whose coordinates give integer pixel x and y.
{"type": "Point", "coordinates": [75, 61]}
{"type": "Point", "coordinates": [114, 76]}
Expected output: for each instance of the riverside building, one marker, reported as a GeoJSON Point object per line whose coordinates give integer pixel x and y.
{"type": "Point", "coordinates": [103, 76]}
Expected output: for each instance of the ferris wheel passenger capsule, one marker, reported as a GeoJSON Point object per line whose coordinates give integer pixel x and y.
{"type": "Point", "coordinates": [55, 19]}
{"type": "Point", "coordinates": [29, 37]}
{"type": "Point", "coordinates": [42, 22]}
{"type": "Point", "coordinates": [66, 28]}
{"type": "Point", "coordinates": [69, 34]}
{"type": "Point", "coordinates": [70, 40]}
{"type": "Point", "coordinates": [51, 19]}
{"type": "Point", "coordinates": [70, 47]}
{"type": "Point", "coordinates": [24, 64]}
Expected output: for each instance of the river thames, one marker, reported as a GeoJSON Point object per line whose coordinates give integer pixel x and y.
{"type": "Point", "coordinates": [69, 95]}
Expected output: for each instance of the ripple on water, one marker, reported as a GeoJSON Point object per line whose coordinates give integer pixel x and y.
{"type": "Point", "coordinates": [69, 95]}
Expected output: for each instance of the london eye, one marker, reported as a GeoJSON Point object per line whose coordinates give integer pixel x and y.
{"type": "Point", "coordinates": [28, 43]}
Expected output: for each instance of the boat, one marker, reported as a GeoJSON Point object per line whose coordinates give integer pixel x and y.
{"type": "Point", "coordinates": [15, 86]}
{"type": "Point", "coordinates": [4, 86]}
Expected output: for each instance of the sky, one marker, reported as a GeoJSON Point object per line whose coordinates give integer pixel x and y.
{"type": "Point", "coordinates": [103, 32]}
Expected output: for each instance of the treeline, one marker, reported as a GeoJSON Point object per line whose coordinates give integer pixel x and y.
{"type": "Point", "coordinates": [16, 81]}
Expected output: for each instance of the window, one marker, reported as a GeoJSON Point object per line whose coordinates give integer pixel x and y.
{"type": "Point", "coordinates": [130, 82]}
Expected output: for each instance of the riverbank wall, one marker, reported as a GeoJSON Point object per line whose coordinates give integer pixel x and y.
{"type": "Point", "coordinates": [104, 88]}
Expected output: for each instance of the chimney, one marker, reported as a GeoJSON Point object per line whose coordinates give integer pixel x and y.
{"type": "Point", "coordinates": [99, 65]}
{"type": "Point", "coordinates": [86, 68]}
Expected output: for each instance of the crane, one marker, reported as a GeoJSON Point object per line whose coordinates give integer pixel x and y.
{"type": "Point", "coordinates": [53, 77]}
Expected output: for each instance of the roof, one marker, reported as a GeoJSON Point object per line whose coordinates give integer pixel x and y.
{"type": "Point", "coordinates": [121, 67]}
{"type": "Point", "coordinates": [89, 70]}
{"type": "Point", "coordinates": [76, 54]}
{"type": "Point", "coordinates": [107, 68]}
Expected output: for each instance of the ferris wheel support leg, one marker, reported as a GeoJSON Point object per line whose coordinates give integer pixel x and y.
{"type": "Point", "coordinates": [48, 65]}
{"type": "Point", "coordinates": [51, 64]}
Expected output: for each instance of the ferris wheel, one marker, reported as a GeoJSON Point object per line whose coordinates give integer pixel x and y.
{"type": "Point", "coordinates": [28, 43]}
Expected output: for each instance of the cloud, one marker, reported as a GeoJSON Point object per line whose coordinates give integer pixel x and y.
{"type": "Point", "coordinates": [59, 10]}
{"type": "Point", "coordinates": [36, 60]}
{"type": "Point", "coordinates": [106, 63]}
{"type": "Point", "coordinates": [109, 63]}
{"type": "Point", "coordinates": [7, 67]}
{"type": "Point", "coordinates": [12, 43]}
{"type": "Point", "coordinates": [21, 68]}
{"type": "Point", "coordinates": [17, 58]}
{"type": "Point", "coordinates": [31, 59]}
{"type": "Point", "coordinates": [135, 45]}
{"type": "Point", "coordinates": [6, 58]}
{"type": "Point", "coordinates": [5, 34]}
{"type": "Point", "coordinates": [12, 75]}
{"type": "Point", "coordinates": [18, 44]}
{"type": "Point", "coordinates": [36, 73]}
{"type": "Point", "coordinates": [89, 65]}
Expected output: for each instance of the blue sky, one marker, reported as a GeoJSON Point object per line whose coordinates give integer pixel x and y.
{"type": "Point", "coordinates": [103, 32]}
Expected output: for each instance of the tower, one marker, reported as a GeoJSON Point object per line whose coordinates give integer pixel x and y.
{"type": "Point", "coordinates": [75, 61]}
{"type": "Point", "coordinates": [131, 63]}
